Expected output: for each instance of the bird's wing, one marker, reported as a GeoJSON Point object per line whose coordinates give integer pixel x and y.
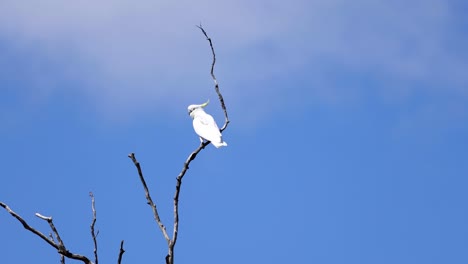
{"type": "Point", "coordinates": [206, 127]}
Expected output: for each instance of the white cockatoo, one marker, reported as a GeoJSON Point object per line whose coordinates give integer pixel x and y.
{"type": "Point", "coordinates": [205, 126]}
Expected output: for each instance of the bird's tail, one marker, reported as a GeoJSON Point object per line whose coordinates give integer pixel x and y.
{"type": "Point", "coordinates": [219, 144]}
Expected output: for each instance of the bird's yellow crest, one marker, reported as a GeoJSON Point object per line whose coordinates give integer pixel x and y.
{"type": "Point", "coordinates": [205, 104]}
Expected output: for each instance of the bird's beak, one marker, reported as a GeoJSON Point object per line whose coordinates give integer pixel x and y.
{"type": "Point", "coordinates": [205, 104]}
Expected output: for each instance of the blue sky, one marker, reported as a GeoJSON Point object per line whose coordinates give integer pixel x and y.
{"type": "Point", "coordinates": [347, 144]}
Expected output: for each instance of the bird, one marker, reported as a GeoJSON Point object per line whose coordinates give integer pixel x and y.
{"type": "Point", "coordinates": [205, 125]}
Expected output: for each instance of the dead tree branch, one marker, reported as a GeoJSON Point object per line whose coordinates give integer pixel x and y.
{"type": "Point", "coordinates": [121, 252]}
{"type": "Point", "coordinates": [220, 96]}
{"type": "Point", "coordinates": [148, 198]}
{"type": "Point", "coordinates": [94, 234]}
{"type": "Point", "coordinates": [172, 241]}
{"type": "Point", "coordinates": [60, 246]}
{"type": "Point", "coordinates": [191, 157]}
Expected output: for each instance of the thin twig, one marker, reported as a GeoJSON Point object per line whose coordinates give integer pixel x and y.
{"type": "Point", "coordinates": [60, 247]}
{"type": "Point", "coordinates": [121, 252]}
{"type": "Point", "coordinates": [148, 198]}
{"type": "Point", "coordinates": [93, 234]}
{"type": "Point", "coordinates": [220, 96]}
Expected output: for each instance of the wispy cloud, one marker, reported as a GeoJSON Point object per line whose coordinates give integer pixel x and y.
{"type": "Point", "coordinates": [125, 54]}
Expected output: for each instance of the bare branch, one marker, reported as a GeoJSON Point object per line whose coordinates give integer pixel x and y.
{"type": "Point", "coordinates": [193, 155]}
{"type": "Point", "coordinates": [190, 158]}
{"type": "Point", "coordinates": [148, 198]}
{"type": "Point", "coordinates": [29, 228]}
{"type": "Point", "coordinates": [187, 162]}
{"type": "Point", "coordinates": [220, 96]}
{"type": "Point", "coordinates": [122, 251]}
{"type": "Point", "coordinates": [47, 218]}
{"type": "Point", "coordinates": [93, 234]}
{"type": "Point", "coordinates": [54, 230]}
{"type": "Point", "coordinates": [60, 246]}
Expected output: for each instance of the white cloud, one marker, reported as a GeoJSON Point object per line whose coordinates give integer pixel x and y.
{"type": "Point", "coordinates": [140, 55]}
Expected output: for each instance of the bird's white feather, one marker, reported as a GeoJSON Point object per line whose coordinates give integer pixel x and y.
{"type": "Point", "coordinates": [205, 126]}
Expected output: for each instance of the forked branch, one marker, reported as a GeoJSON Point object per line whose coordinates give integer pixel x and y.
{"type": "Point", "coordinates": [59, 245]}
{"type": "Point", "coordinates": [172, 241]}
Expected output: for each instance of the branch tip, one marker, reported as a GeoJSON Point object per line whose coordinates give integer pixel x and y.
{"type": "Point", "coordinates": [46, 218]}
{"type": "Point", "coordinates": [121, 252]}
{"type": "Point", "coordinates": [93, 233]}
